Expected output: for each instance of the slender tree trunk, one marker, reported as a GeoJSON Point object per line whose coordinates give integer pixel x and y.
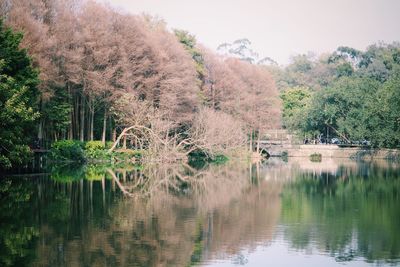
{"type": "Point", "coordinates": [103, 135]}
{"type": "Point", "coordinates": [124, 142]}
{"type": "Point", "coordinates": [82, 124]}
{"type": "Point", "coordinates": [213, 96]}
{"type": "Point", "coordinates": [258, 142]}
{"type": "Point", "coordinates": [251, 141]}
{"type": "Point", "coordinates": [40, 130]}
{"type": "Point", "coordinates": [111, 127]}
{"type": "Point", "coordinates": [71, 114]}
{"type": "Point", "coordinates": [71, 128]}
{"type": "Point", "coordinates": [89, 119]}
{"type": "Point", "coordinates": [91, 122]}
{"type": "Point", "coordinates": [76, 117]}
{"type": "Point", "coordinates": [114, 134]}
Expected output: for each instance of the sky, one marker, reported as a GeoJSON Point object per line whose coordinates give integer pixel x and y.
{"type": "Point", "coordinates": [278, 28]}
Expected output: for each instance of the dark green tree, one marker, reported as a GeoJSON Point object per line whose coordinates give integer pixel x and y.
{"type": "Point", "coordinates": [18, 99]}
{"type": "Point", "coordinates": [383, 114]}
{"type": "Point", "coordinates": [295, 101]}
{"type": "Point", "coordinates": [342, 109]}
{"type": "Point", "coordinates": [57, 113]}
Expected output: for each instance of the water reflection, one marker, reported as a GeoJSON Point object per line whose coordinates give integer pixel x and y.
{"type": "Point", "coordinates": [352, 213]}
{"type": "Point", "coordinates": [176, 215]}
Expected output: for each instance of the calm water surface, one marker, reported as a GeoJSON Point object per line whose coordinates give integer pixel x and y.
{"type": "Point", "coordinates": [295, 213]}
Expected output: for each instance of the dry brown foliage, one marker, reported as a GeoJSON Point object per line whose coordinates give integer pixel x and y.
{"type": "Point", "coordinates": [216, 132]}
{"type": "Point", "coordinates": [118, 67]}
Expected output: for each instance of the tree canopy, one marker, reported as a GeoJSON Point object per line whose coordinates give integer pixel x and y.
{"type": "Point", "coordinates": [352, 94]}
{"type": "Point", "coordinates": [99, 66]}
{"type": "Point", "coordinates": [18, 98]}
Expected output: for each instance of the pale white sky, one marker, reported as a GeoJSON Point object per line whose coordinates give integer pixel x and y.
{"type": "Point", "coordinates": [278, 28]}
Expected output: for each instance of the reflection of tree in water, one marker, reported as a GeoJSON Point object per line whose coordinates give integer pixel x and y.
{"type": "Point", "coordinates": [218, 208]}
{"type": "Point", "coordinates": [176, 215]}
{"type": "Point", "coordinates": [16, 236]}
{"type": "Point", "coordinates": [355, 213]}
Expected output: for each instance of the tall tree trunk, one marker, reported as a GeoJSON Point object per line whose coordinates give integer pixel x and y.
{"type": "Point", "coordinates": [124, 143]}
{"type": "Point", "coordinates": [92, 127]}
{"type": "Point", "coordinates": [114, 134]}
{"type": "Point", "coordinates": [251, 141]}
{"type": "Point", "coordinates": [71, 128]}
{"type": "Point", "coordinates": [103, 135]}
{"type": "Point", "coordinates": [89, 119]}
{"type": "Point", "coordinates": [76, 117]}
{"type": "Point", "coordinates": [258, 142]}
{"type": "Point", "coordinates": [213, 96]}
{"type": "Point", "coordinates": [111, 128]}
{"type": "Point", "coordinates": [91, 122]}
{"type": "Point", "coordinates": [40, 130]}
{"type": "Point", "coordinates": [82, 124]}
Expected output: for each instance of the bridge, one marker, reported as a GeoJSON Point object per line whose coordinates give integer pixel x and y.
{"type": "Point", "coordinates": [277, 142]}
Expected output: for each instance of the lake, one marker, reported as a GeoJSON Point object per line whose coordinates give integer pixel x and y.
{"type": "Point", "coordinates": [275, 213]}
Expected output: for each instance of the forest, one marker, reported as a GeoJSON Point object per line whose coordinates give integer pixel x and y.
{"type": "Point", "coordinates": [350, 94]}
{"type": "Point", "coordinates": [80, 70]}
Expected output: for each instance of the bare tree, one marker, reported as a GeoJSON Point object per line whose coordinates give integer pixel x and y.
{"type": "Point", "coordinates": [216, 132]}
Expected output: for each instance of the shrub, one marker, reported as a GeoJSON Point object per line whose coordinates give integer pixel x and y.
{"type": "Point", "coordinates": [219, 159]}
{"type": "Point", "coordinates": [67, 150]}
{"type": "Point", "coordinates": [95, 150]}
{"type": "Point", "coordinates": [20, 155]}
{"type": "Point", "coordinates": [127, 154]}
{"type": "Point", "coordinates": [316, 157]}
{"type": "Point", "coordinates": [109, 144]}
{"type": "Point", "coordinates": [93, 145]}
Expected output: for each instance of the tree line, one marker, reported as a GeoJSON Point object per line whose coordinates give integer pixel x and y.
{"type": "Point", "coordinates": [350, 94]}
{"type": "Point", "coordinates": [88, 71]}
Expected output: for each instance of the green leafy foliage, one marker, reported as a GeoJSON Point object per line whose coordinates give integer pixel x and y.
{"type": "Point", "coordinates": [95, 150]}
{"type": "Point", "coordinates": [295, 101]}
{"type": "Point", "coordinates": [357, 100]}
{"type": "Point", "coordinates": [70, 150]}
{"type": "Point", "coordinates": [189, 42]}
{"type": "Point", "coordinates": [383, 114]}
{"type": "Point", "coordinates": [57, 112]}
{"type": "Point", "coordinates": [18, 99]}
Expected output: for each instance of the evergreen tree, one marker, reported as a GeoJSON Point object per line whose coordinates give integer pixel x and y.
{"type": "Point", "coordinates": [18, 99]}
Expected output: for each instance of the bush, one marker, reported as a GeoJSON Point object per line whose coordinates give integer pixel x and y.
{"type": "Point", "coordinates": [20, 155]}
{"type": "Point", "coordinates": [67, 150]}
{"type": "Point", "coordinates": [316, 157]}
{"type": "Point", "coordinates": [219, 159]}
{"type": "Point", "coordinates": [95, 150]}
{"type": "Point", "coordinates": [93, 145]}
{"type": "Point", "coordinates": [127, 154]}
{"type": "Point", "coordinates": [109, 144]}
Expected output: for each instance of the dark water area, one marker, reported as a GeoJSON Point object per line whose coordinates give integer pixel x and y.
{"type": "Point", "coordinates": [296, 213]}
